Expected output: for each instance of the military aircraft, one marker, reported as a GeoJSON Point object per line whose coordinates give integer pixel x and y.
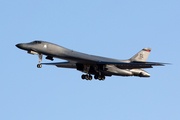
{"type": "Point", "coordinates": [91, 64]}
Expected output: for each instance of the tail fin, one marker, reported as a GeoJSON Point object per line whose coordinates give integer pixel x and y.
{"type": "Point", "coordinates": [141, 56]}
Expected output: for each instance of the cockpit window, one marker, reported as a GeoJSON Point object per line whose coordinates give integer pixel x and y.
{"type": "Point", "coordinates": [36, 42]}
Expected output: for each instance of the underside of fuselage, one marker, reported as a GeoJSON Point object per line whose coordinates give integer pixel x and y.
{"type": "Point", "coordinates": [100, 71]}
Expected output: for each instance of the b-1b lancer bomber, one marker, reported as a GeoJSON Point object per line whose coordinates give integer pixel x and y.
{"type": "Point", "coordinates": [91, 64]}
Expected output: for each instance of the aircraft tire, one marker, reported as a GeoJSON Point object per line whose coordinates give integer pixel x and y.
{"type": "Point", "coordinates": [90, 77]}
{"type": "Point", "coordinates": [83, 76]}
{"type": "Point", "coordinates": [86, 77]}
{"type": "Point", "coordinates": [96, 77]}
{"type": "Point", "coordinates": [39, 65]}
{"type": "Point", "coordinates": [99, 77]}
{"type": "Point", "coordinates": [103, 78]}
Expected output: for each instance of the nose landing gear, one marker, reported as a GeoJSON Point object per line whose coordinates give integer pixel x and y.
{"type": "Point", "coordinates": [40, 59]}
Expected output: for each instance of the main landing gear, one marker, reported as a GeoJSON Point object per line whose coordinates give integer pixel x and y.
{"type": "Point", "coordinates": [99, 77]}
{"type": "Point", "coordinates": [40, 59]}
{"type": "Point", "coordinates": [89, 77]}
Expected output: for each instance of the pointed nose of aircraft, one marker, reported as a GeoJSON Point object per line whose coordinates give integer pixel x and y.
{"type": "Point", "coordinates": [19, 46]}
{"type": "Point", "coordinates": [22, 46]}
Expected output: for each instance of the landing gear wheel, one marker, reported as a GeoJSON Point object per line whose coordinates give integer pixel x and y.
{"type": "Point", "coordinates": [86, 77]}
{"type": "Point", "coordinates": [96, 77]}
{"type": "Point", "coordinates": [101, 77]}
{"type": "Point", "coordinates": [39, 65]}
{"type": "Point", "coordinates": [90, 77]}
{"type": "Point", "coordinates": [83, 76]}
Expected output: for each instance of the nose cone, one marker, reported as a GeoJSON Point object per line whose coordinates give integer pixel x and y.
{"type": "Point", "coordinates": [22, 46]}
{"type": "Point", "coordinates": [19, 46]}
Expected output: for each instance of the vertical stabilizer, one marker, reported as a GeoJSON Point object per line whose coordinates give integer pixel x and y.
{"type": "Point", "coordinates": [141, 56]}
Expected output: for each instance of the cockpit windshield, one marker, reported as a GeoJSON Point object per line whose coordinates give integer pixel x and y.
{"type": "Point", "coordinates": [36, 42]}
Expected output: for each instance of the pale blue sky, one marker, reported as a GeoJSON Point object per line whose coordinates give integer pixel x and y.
{"type": "Point", "coordinates": [115, 29]}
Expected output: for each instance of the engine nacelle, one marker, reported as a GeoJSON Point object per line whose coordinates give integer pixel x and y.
{"type": "Point", "coordinates": [140, 73]}
{"type": "Point", "coordinates": [32, 52]}
{"type": "Point", "coordinates": [116, 71]}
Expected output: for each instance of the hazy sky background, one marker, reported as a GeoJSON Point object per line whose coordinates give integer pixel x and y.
{"type": "Point", "coordinates": [115, 29]}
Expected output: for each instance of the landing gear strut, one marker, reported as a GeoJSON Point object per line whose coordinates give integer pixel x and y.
{"type": "Point", "coordinates": [40, 59]}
